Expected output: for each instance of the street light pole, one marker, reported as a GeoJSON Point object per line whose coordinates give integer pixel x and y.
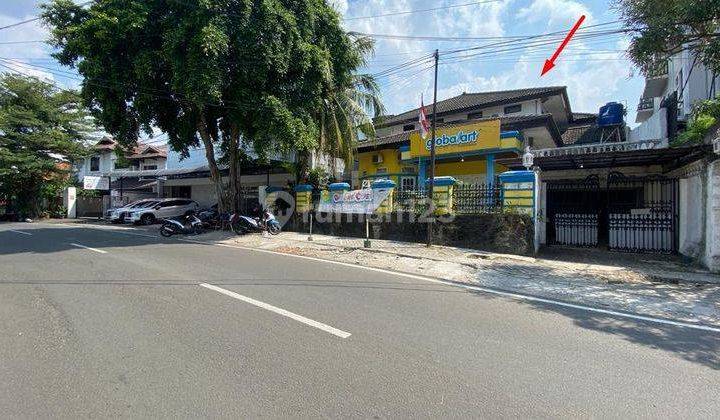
{"type": "Point", "coordinates": [431, 222]}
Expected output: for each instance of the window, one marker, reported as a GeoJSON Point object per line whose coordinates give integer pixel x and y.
{"type": "Point", "coordinates": [407, 183]}
{"type": "Point", "coordinates": [381, 171]}
{"type": "Point", "coordinates": [149, 167]}
{"type": "Point", "coordinates": [408, 169]}
{"type": "Point", "coordinates": [475, 115]}
{"type": "Point", "coordinates": [180, 191]}
{"type": "Point", "coordinates": [95, 164]}
{"type": "Point", "coordinates": [408, 127]}
{"type": "Point", "coordinates": [511, 109]}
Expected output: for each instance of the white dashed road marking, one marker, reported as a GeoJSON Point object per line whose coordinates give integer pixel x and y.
{"type": "Point", "coordinates": [99, 251]}
{"type": "Point", "coordinates": [280, 311]}
{"type": "Point", "coordinates": [20, 232]}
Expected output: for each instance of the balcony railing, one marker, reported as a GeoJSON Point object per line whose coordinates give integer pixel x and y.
{"type": "Point", "coordinates": [646, 104]}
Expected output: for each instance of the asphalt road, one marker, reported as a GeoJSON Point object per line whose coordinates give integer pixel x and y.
{"type": "Point", "coordinates": [124, 328]}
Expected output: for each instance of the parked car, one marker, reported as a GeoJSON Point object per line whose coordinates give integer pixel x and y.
{"type": "Point", "coordinates": [164, 209]}
{"type": "Point", "coordinates": [118, 215]}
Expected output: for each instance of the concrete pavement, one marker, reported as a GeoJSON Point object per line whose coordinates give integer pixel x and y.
{"type": "Point", "coordinates": [129, 332]}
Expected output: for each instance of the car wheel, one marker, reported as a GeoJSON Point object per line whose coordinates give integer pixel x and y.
{"type": "Point", "coordinates": [273, 228]}
{"type": "Point", "coordinates": [147, 219]}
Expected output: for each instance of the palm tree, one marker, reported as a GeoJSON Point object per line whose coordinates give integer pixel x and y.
{"type": "Point", "coordinates": [348, 110]}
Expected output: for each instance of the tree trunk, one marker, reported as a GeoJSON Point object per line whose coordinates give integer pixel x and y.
{"type": "Point", "coordinates": [215, 174]}
{"type": "Point", "coordinates": [234, 168]}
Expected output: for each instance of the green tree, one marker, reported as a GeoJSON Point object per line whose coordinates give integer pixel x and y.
{"type": "Point", "coordinates": [218, 73]}
{"type": "Point", "coordinates": [42, 129]}
{"type": "Point", "coordinates": [663, 27]}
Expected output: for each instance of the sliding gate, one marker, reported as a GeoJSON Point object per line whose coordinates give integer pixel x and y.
{"type": "Point", "coordinates": [630, 214]}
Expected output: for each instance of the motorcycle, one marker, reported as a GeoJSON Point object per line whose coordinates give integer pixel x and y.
{"type": "Point", "coordinates": [188, 224]}
{"type": "Point", "coordinates": [245, 224]}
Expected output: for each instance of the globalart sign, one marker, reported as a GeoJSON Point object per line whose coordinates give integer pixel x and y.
{"type": "Point", "coordinates": [458, 138]}
{"type": "Point", "coordinates": [364, 201]}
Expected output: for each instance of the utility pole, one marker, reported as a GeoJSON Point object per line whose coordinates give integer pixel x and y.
{"type": "Point", "coordinates": [431, 222]}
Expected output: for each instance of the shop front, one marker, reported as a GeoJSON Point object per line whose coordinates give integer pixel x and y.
{"type": "Point", "coordinates": [472, 153]}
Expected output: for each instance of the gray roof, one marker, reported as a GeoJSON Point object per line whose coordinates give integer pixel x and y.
{"type": "Point", "coordinates": [473, 100]}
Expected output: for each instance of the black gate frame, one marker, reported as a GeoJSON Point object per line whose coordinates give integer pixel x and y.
{"type": "Point", "coordinates": [630, 214]}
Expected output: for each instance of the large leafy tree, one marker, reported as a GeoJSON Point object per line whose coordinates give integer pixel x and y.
{"type": "Point", "coordinates": [663, 27]}
{"type": "Point", "coordinates": [42, 129]}
{"type": "Point", "coordinates": [216, 73]}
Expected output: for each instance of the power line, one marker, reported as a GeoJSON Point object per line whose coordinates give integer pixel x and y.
{"type": "Point", "coordinates": [22, 42]}
{"type": "Point", "coordinates": [433, 9]}
{"type": "Point", "coordinates": [23, 22]}
{"type": "Point", "coordinates": [20, 23]}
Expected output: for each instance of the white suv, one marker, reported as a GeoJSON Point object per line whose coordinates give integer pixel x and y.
{"type": "Point", "coordinates": [118, 215]}
{"type": "Point", "coordinates": [164, 209]}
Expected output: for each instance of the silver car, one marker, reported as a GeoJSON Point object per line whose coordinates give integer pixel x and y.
{"type": "Point", "coordinates": [164, 209]}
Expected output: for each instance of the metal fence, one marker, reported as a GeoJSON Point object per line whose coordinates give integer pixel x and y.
{"type": "Point", "coordinates": [477, 198]}
{"type": "Point", "coordinates": [467, 199]}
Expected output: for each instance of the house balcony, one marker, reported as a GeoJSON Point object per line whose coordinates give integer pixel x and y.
{"type": "Point", "coordinates": [645, 109]}
{"type": "Point", "coordinates": [656, 79]}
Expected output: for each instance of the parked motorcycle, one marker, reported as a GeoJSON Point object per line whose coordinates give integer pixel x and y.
{"type": "Point", "coordinates": [245, 224]}
{"type": "Point", "coordinates": [188, 224]}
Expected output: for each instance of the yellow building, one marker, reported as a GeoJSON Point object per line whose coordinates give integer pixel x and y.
{"type": "Point", "coordinates": [478, 136]}
{"type": "Point", "coordinates": [469, 152]}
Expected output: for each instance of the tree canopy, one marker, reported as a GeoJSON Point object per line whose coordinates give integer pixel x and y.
{"type": "Point", "coordinates": [42, 129]}
{"type": "Point", "coordinates": [208, 72]}
{"type": "Point", "coordinates": [662, 27]}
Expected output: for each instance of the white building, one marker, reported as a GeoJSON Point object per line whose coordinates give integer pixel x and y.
{"type": "Point", "coordinates": [671, 90]}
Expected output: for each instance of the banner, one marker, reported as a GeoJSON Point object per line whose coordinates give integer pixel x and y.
{"type": "Point", "coordinates": [364, 201]}
{"type": "Point", "coordinates": [96, 183]}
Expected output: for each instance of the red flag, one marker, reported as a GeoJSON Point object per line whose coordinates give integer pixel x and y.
{"type": "Point", "coordinates": [423, 120]}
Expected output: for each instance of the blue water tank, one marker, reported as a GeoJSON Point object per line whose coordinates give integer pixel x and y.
{"type": "Point", "coordinates": [611, 113]}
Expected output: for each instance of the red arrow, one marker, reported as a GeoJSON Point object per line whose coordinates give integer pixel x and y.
{"type": "Point", "coordinates": [549, 64]}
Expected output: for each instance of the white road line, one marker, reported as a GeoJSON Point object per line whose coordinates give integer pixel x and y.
{"type": "Point", "coordinates": [280, 311]}
{"type": "Point", "coordinates": [20, 232]}
{"type": "Point", "coordinates": [513, 295]}
{"type": "Point", "coordinates": [139, 234]}
{"type": "Point", "coordinates": [100, 251]}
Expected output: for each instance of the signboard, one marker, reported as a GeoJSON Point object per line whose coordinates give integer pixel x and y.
{"type": "Point", "coordinates": [96, 183]}
{"type": "Point", "coordinates": [458, 139]}
{"type": "Point", "coordinates": [364, 201]}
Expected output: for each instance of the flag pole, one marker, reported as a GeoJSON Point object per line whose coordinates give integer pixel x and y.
{"type": "Point", "coordinates": [431, 222]}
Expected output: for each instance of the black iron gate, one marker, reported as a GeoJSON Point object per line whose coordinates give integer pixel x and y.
{"type": "Point", "coordinates": [572, 209]}
{"type": "Point", "coordinates": [642, 213]}
{"type": "Point", "coordinates": [630, 214]}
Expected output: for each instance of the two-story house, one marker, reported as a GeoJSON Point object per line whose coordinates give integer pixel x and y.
{"type": "Point", "coordinates": [126, 182]}
{"type": "Point", "coordinates": [479, 135]}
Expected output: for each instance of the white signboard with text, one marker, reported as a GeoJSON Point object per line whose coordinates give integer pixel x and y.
{"type": "Point", "coordinates": [363, 201]}
{"type": "Point", "coordinates": [96, 183]}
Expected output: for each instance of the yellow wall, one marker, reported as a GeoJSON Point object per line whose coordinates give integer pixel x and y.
{"type": "Point", "coordinates": [390, 162]}
{"type": "Point", "coordinates": [465, 168]}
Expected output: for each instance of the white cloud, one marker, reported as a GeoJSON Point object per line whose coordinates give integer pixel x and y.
{"type": "Point", "coordinates": [22, 67]}
{"type": "Point", "coordinates": [554, 12]}
{"type": "Point", "coordinates": [32, 31]}
{"type": "Point", "coordinates": [339, 5]}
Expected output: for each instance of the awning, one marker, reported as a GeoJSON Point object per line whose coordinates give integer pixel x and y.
{"type": "Point", "coordinates": [612, 155]}
{"type": "Point", "coordinates": [154, 173]}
